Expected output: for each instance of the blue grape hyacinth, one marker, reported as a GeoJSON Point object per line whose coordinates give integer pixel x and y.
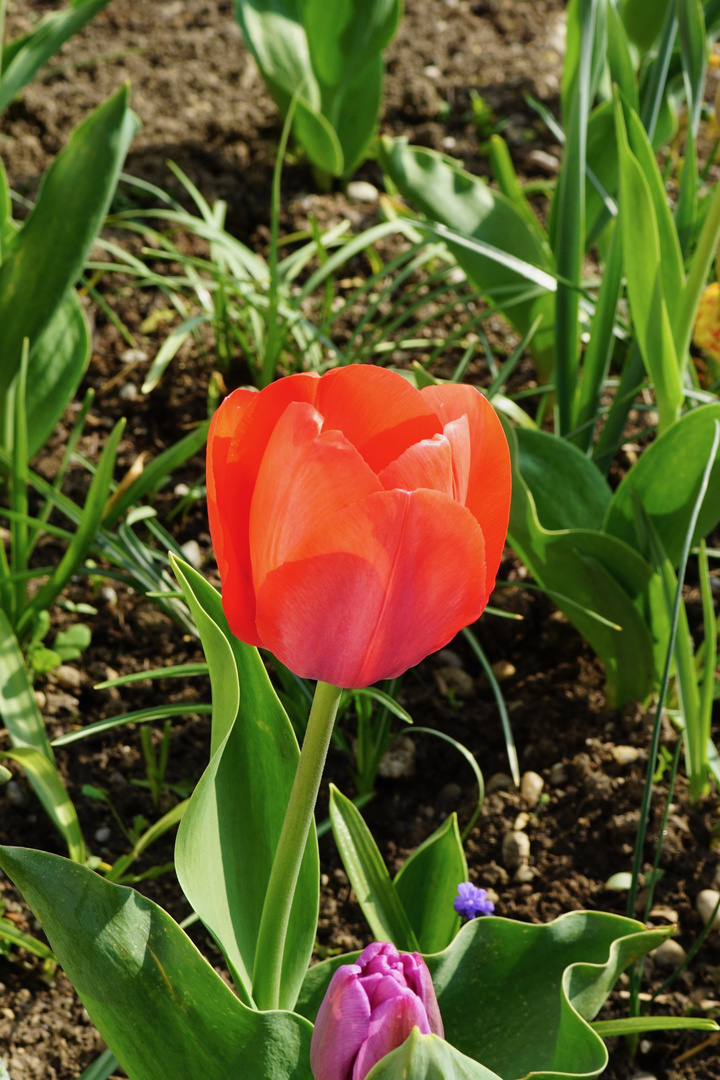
{"type": "Point", "coordinates": [472, 901]}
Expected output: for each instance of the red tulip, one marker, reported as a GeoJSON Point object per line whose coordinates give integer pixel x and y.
{"type": "Point", "coordinates": [358, 523]}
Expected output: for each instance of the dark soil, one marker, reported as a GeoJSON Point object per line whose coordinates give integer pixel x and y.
{"type": "Point", "coordinates": [204, 107]}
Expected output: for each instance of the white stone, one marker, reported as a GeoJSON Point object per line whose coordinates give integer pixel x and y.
{"type": "Point", "coordinates": [67, 677]}
{"type": "Point", "coordinates": [362, 191]}
{"type": "Point", "coordinates": [191, 551]}
{"type": "Point", "coordinates": [669, 955]}
{"type": "Point", "coordinates": [705, 904]}
{"type": "Point", "coordinates": [625, 755]}
{"type": "Point", "coordinates": [515, 849]}
{"type": "Point", "coordinates": [531, 787]}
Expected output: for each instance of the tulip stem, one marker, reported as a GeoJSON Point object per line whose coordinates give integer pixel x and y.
{"type": "Point", "coordinates": [291, 848]}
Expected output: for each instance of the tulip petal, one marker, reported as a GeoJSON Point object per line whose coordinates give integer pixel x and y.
{"type": "Point", "coordinates": [237, 439]}
{"type": "Point", "coordinates": [304, 478]}
{"type": "Point", "coordinates": [377, 410]}
{"type": "Point", "coordinates": [341, 1026]}
{"type": "Point", "coordinates": [419, 979]}
{"type": "Point", "coordinates": [426, 464]}
{"type": "Point", "coordinates": [390, 1025]}
{"type": "Point", "coordinates": [489, 483]}
{"type": "Point", "coordinates": [375, 588]}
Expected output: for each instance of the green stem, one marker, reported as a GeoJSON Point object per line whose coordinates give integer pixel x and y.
{"type": "Point", "coordinates": [291, 848]}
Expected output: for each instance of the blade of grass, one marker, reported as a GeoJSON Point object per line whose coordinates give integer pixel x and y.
{"type": "Point", "coordinates": [510, 748]}
{"type": "Point", "coordinates": [141, 716]}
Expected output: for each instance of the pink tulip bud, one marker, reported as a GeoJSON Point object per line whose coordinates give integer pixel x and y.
{"type": "Point", "coordinates": [369, 1009]}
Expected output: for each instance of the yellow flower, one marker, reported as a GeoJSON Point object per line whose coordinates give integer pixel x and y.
{"type": "Point", "coordinates": [707, 322]}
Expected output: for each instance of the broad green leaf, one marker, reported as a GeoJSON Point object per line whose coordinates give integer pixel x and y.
{"type": "Point", "coordinates": [22, 57]}
{"type": "Point", "coordinates": [499, 978]}
{"type": "Point", "coordinates": [368, 875]}
{"type": "Point", "coordinates": [643, 256]}
{"type": "Point", "coordinates": [549, 465]}
{"type": "Point", "coordinates": [342, 46]}
{"type": "Point", "coordinates": [588, 569]}
{"type": "Point", "coordinates": [52, 793]}
{"type": "Point", "coordinates": [667, 479]}
{"type": "Point", "coordinates": [447, 194]}
{"type": "Point", "coordinates": [57, 365]}
{"type": "Point", "coordinates": [427, 886]}
{"type": "Point", "coordinates": [355, 112]}
{"type": "Point", "coordinates": [47, 254]}
{"type": "Point", "coordinates": [535, 979]}
{"type": "Point", "coordinates": [315, 132]}
{"type": "Point", "coordinates": [277, 41]}
{"type": "Point", "coordinates": [227, 840]}
{"type": "Point", "coordinates": [428, 1057]}
{"type": "Point", "coordinates": [156, 1001]}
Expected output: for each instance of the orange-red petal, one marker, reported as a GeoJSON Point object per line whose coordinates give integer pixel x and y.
{"type": "Point", "coordinates": [425, 464]}
{"type": "Point", "coordinates": [238, 435]}
{"type": "Point", "coordinates": [489, 479]}
{"type": "Point", "coordinates": [377, 410]}
{"type": "Point", "coordinates": [375, 588]}
{"type": "Point", "coordinates": [306, 475]}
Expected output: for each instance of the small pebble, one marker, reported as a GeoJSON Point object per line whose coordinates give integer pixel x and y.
{"type": "Point", "coordinates": [498, 782]}
{"type": "Point", "coordinates": [645, 1046]}
{"type": "Point", "coordinates": [503, 669]}
{"type": "Point", "coordinates": [399, 759]}
{"type": "Point", "coordinates": [547, 163]}
{"type": "Point", "coordinates": [432, 71]}
{"type": "Point", "coordinates": [40, 699]}
{"type": "Point", "coordinates": [191, 551]}
{"type": "Point", "coordinates": [108, 595]}
{"type": "Point", "coordinates": [103, 834]}
{"type": "Point", "coordinates": [643, 1076]}
{"type": "Point", "coordinates": [68, 678]}
{"type": "Point", "coordinates": [558, 774]}
{"type": "Point", "coordinates": [456, 680]}
{"type": "Point", "coordinates": [523, 874]}
{"type": "Point", "coordinates": [521, 822]}
{"type": "Point", "coordinates": [362, 191]}
{"type": "Point", "coordinates": [449, 658]}
{"type": "Point", "coordinates": [515, 849]}
{"type": "Point", "coordinates": [7, 1014]}
{"type": "Point", "coordinates": [129, 392]}
{"type": "Point", "coordinates": [705, 904]}
{"type": "Point", "coordinates": [531, 787]}
{"type": "Point", "coordinates": [625, 755]}
{"type": "Point", "coordinates": [181, 490]}
{"type": "Point", "coordinates": [449, 142]}
{"type": "Point", "coordinates": [134, 356]}
{"type": "Point", "coordinates": [669, 955]}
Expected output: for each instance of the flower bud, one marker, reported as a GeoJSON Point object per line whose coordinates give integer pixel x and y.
{"type": "Point", "coordinates": [369, 1009]}
{"type": "Point", "coordinates": [707, 321]}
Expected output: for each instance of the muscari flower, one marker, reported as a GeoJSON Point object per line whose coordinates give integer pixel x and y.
{"type": "Point", "coordinates": [472, 901]}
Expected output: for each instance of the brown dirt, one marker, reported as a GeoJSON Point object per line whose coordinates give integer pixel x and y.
{"type": "Point", "coordinates": [203, 106]}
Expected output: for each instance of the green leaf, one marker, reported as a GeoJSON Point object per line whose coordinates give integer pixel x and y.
{"type": "Point", "coordinates": [47, 254]}
{"type": "Point", "coordinates": [341, 47]}
{"type": "Point", "coordinates": [635, 1025]}
{"type": "Point", "coordinates": [549, 465]}
{"type": "Point", "coordinates": [587, 569]}
{"type": "Point", "coordinates": [10, 932]}
{"type": "Point", "coordinates": [427, 886]}
{"type": "Point", "coordinates": [645, 255]}
{"type": "Point", "coordinates": [355, 113]}
{"type": "Point", "coordinates": [202, 599]}
{"type": "Point", "coordinates": [447, 194]}
{"type": "Point", "coordinates": [18, 708]}
{"type": "Point", "coordinates": [22, 57]}
{"type": "Point", "coordinates": [501, 977]}
{"type": "Point", "coordinates": [643, 21]}
{"type": "Point", "coordinates": [428, 1057]}
{"type": "Point", "coordinates": [158, 1004]}
{"type": "Point", "coordinates": [70, 643]}
{"type": "Point", "coordinates": [368, 875]}
{"type": "Point", "coordinates": [667, 479]}
{"type": "Point", "coordinates": [227, 840]}
{"type": "Point", "coordinates": [52, 793]}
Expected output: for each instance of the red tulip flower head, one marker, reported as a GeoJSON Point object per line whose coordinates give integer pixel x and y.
{"type": "Point", "coordinates": [369, 1009]}
{"type": "Point", "coordinates": [357, 522]}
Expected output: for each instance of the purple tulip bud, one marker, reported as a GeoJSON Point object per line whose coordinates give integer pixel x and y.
{"type": "Point", "coordinates": [471, 901]}
{"type": "Point", "coordinates": [369, 1009]}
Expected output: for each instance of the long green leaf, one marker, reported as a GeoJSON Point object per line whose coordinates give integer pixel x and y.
{"type": "Point", "coordinates": [23, 57]}
{"type": "Point", "coordinates": [18, 708]}
{"type": "Point", "coordinates": [49, 788]}
{"type": "Point", "coordinates": [368, 875]}
{"type": "Point", "coordinates": [427, 886]}
{"type": "Point", "coordinates": [67, 216]}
